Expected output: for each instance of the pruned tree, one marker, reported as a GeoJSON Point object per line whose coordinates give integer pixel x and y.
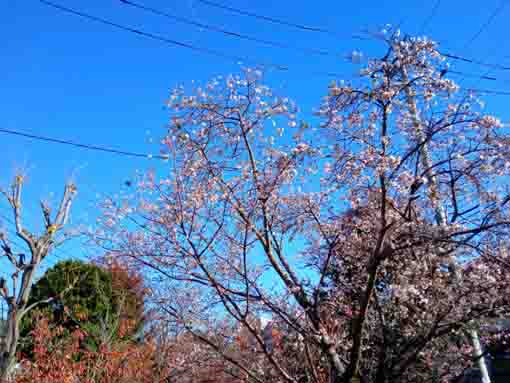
{"type": "Point", "coordinates": [376, 239]}
{"type": "Point", "coordinates": [24, 267]}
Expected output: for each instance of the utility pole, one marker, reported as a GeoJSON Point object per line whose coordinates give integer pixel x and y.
{"type": "Point", "coordinates": [435, 200]}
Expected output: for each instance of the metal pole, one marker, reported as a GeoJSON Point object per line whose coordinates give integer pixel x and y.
{"type": "Point", "coordinates": [434, 197]}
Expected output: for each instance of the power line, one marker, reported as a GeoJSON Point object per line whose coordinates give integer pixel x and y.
{"type": "Point", "coordinates": [237, 58]}
{"type": "Point", "coordinates": [81, 146]}
{"type": "Point", "coordinates": [279, 21]}
{"type": "Point", "coordinates": [484, 76]}
{"type": "Point", "coordinates": [223, 55]}
{"type": "Point", "coordinates": [474, 61]}
{"type": "Point", "coordinates": [187, 21]}
{"type": "Point", "coordinates": [327, 31]}
{"type": "Point", "coordinates": [473, 75]}
{"type": "Point", "coordinates": [152, 36]}
{"type": "Point", "coordinates": [212, 52]}
{"type": "Point", "coordinates": [430, 16]}
{"type": "Point", "coordinates": [489, 91]}
{"type": "Point", "coordinates": [163, 157]}
{"type": "Point", "coordinates": [489, 20]}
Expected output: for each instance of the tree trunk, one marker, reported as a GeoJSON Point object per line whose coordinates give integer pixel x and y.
{"type": "Point", "coordinates": [8, 348]}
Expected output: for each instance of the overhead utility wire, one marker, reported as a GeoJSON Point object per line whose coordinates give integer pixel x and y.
{"type": "Point", "coordinates": [477, 34]}
{"type": "Point", "coordinates": [473, 75]}
{"type": "Point", "coordinates": [212, 52]}
{"type": "Point", "coordinates": [238, 58]}
{"type": "Point", "coordinates": [324, 30]}
{"type": "Point", "coordinates": [489, 20]}
{"type": "Point", "coordinates": [231, 57]}
{"type": "Point", "coordinates": [475, 61]}
{"type": "Point", "coordinates": [153, 36]}
{"type": "Point", "coordinates": [430, 16]}
{"type": "Point", "coordinates": [489, 91]}
{"type": "Point", "coordinates": [485, 25]}
{"type": "Point", "coordinates": [279, 21]}
{"type": "Point", "coordinates": [80, 145]}
{"type": "Point", "coordinates": [185, 20]}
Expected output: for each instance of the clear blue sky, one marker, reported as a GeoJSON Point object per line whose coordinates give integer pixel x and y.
{"type": "Point", "coordinates": [71, 78]}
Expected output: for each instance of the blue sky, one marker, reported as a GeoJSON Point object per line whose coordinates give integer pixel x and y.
{"type": "Point", "coordinates": [70, 78]}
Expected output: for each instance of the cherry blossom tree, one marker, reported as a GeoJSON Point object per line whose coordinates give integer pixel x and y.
{"type": "Point", "coordinates": [24, 267]}
{"type": "Point", "coordinates": [376, 239]}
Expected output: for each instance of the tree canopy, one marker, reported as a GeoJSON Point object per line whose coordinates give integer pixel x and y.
{"type": "Point", "coordinates": [104, 301]}
{"type": "Point", "coordinates": [368, 245]}
{"type": "Point", "coordinates": [377, 236]}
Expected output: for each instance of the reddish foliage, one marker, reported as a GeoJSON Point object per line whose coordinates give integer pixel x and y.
{"type": "Point", "coordinates": [64, 360]}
